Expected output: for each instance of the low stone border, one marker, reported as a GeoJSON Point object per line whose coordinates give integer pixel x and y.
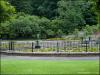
{"type": "Point", "coordinates": [59, 54]}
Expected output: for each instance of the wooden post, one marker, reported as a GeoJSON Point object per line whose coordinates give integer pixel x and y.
{"type": "Point", "coordinates": [57, 46]}
{"type": "Point", "coordinates": [13, 45]}
{"type": "Point", "coordinates": [86, 46]}
{"type": "Point", "coordinates": [9, 46]}
{"type": "Point", "coordinates": [32, 46]}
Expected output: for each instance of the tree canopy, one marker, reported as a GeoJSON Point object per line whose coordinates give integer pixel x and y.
{"type": "Point", "coordinates": [6, 10]}
{"type": "Point", "coordinates": [49, 18]}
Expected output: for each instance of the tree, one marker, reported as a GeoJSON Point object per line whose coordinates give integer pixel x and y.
{"type": "Point", "coordinates": [88, 30]}
{"type": "Point", "coordinates": [46, 8]}
{"type": "Point", "coordinates": [76, 33]}
{"type": "Point", "coordinates": [96, 8]}
{"type": "Point", "coordinates": [22, 6]}
{"type": "Point", "coordinates": [6, 11]}
{"type": "Point", "coordinates": [45, 27]}
{"type": "Point", "coordinates": [56, 27]}
{"type": "Point", "coordinates": [24, 26]}
{"type": "Point", "coordinates": [4, 29]}
{"type": "Point", "coordinates": [71, 14]}
{"type": "Point", "coordinates": [89, 14]}
{"type": "Point", "coordinates": [48, 18]}
{"type": "Point", "coordinates": [59, 33]}
{"type": "Point", "coordinates": [27, 27]}
{"type": "Point", "coordinates": [76, 14]}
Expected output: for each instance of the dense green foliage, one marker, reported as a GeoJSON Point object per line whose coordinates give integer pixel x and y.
{"type": "Point", "coordinates": [46, 8]}
{"type": "Point", "coordinates": [6, 10]}
{"type": "Point", "coordinates": [29, 26]}
{"type": "Point", "coordinates": [49, 18]}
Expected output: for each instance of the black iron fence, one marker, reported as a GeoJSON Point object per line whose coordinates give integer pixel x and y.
{"type": "Point", "coordinates": [50, 46]}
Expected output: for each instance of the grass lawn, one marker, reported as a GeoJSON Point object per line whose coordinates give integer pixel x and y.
{"type": "Point", "coordinates": [49, 67]}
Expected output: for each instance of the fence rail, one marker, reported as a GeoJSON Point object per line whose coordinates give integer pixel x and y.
{"type": "Point", "coordinates": [50, 46]}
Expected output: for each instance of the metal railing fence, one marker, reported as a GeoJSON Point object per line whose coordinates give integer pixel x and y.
{"type": "Point", "coordinates": [50, 46]}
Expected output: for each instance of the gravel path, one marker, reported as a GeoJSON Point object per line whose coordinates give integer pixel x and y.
{"type": "Point", "coordinates": [47, 58]}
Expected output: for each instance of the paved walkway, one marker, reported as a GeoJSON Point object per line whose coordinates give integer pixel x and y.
{"type": "Point", "coordinates": [47, 58]}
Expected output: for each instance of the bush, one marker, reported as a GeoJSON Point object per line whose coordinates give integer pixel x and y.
{"type": "Point", "coordinates": [27, 26]}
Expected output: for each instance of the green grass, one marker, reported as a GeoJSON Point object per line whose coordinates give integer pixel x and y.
{"type": "Point", "coordinates": [49, 67]}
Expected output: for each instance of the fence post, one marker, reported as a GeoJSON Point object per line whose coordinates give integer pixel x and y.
{"type": "Point", "coordinates": [13, 45]}
{"type": "Point", "coordinates": [57, 46]}
{"type": "Point", "coordinates": [32, 46]}
{"type": "Point", "coordinates": [86, 46]}
{"type": "Point", "coordinates": [9, 46]}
